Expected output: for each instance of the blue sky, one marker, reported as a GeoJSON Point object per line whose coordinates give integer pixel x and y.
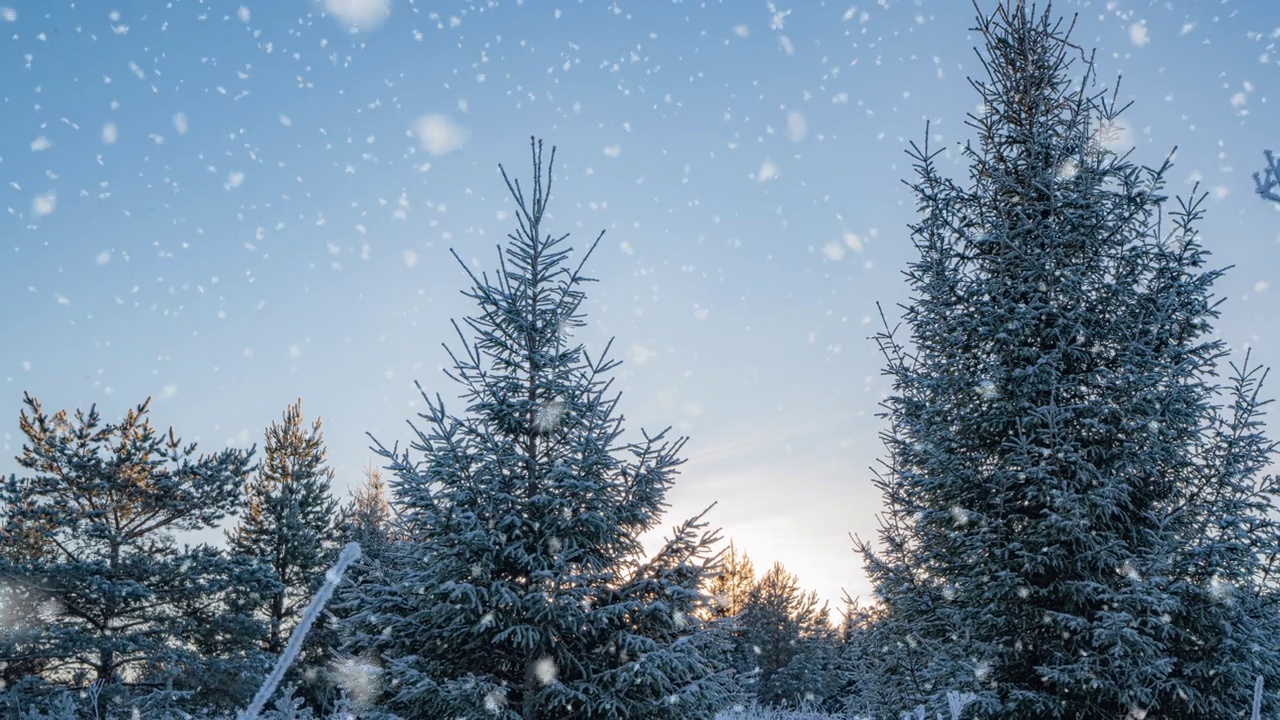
{"type": "Point", "coordinates": [227, 206]}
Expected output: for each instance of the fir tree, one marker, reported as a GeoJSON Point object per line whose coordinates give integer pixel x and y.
{"type": "Point", "coordinates": [522, 589]}
{"type": "Point", "coordinates": [287, 524]}
{"type": "Point", "coordinates": [1073, 527]}
{"type": "Point", "coordinates": [123, 609]}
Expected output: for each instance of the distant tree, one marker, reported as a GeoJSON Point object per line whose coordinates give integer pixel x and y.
{"type": "Point", "coordinates": [730, 587]}
{"type": "Point", "coordinates": [288, 524]}
{"type": "Point", "coordinates": [522, 589]}
{"type": "Point", "coordinates": [1268, 180]}
{"type": "Point", "coordinates": [1073, 526]}
{"type": "Point", "coordinates": [787, 639]}
{"type": "Point", "coordinates": [89, 538]}
{"type": "Point", "coordinates": [368, 519]}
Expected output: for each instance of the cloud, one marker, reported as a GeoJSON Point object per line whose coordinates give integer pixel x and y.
{"type": "Point", "coordinates": [360, 15]}
{"type": "Point", "coordinates": [439, 135]}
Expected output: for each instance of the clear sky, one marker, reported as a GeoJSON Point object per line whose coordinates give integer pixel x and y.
{"type": "Point", "coordinates": [228, 206]}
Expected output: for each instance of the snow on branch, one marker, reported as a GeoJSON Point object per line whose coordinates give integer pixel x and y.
{"type": "Point", "coordinates": [350, 554]}
{"type": "Point", "coordinates": [1268, 180]}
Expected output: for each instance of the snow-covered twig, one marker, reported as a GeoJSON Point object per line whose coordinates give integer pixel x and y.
{"type": "Point", "coordinates": [1269, 179]}
{"type": "Point", "coordinates": [1257, 692]}
{"type": "Point", "coordinates": [350, 554]}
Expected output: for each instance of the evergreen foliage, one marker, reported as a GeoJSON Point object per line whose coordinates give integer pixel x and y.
{"type": "Point", "coordinates": [1073, 527]}
{"type": "Point", "coordinates": [123, 610]}
{"type": "Point", "coordinates": [731, 586]}
{"type": "Point", "coordinates": [368, 518]}
{"type": "Point", "coordinates": [789, 638]}
{"type": "Point", "coordinates": [1268, 180]}
{"type": "Point", "coordinates": [287, 525]}
{"type": "Point", "coordinates": [522, 589]}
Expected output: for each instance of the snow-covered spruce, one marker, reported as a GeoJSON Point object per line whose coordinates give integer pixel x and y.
{"type": "Point", "coordinates": [1074, 527]}
{"type": "Point", "coordinates": [522, 589]}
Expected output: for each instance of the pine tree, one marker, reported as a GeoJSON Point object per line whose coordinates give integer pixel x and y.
{"type": "Point", "coordinates": [89, 539]}
{"type": "Point", "coordinates": [287, 524]}
{"type": "Point", "coordinates": [1073, 527]}
{"type": "Point", "coordinates": [787, 640]}
{"type": "Point", "coordinates": [731, 585]}
{"type": "Point", "coordinates": [368, 519]}
{"type": "Point", "coordinates": [522, 590]}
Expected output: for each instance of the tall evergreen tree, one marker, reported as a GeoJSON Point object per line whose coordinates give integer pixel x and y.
{"type": "Point", "coordinates": [288, 524]}
{"type": "Point", "coordinates": [523, 590]}
{"type": "Point", "coordinates": [1073, 527]}
{"type": "Point", "coordinates": [89, 540]}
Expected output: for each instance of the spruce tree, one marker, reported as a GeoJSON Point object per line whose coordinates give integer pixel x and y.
{"type": "Point", "coordinates": [1073, 526]}
{"type": "Point", "coordinates": [288, 525]}
{"type": "Point", "coordinates": [522, 589]}
{"type": "Point", "coordinates": [89, 540]}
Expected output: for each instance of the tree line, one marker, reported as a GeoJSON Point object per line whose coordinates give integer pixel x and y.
{"type": "Point", "coordinates": [1078, 521]}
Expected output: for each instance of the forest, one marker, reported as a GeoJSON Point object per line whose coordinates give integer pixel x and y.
{"type": "Point", "coordinates": [1079, 519]}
